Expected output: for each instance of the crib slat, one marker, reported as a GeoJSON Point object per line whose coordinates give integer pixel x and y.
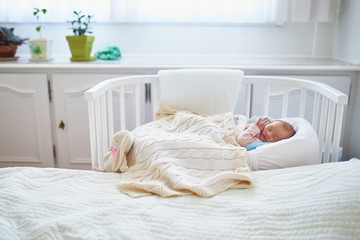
{"type": "Point", "coordinates": [302, 103]}
{"type": "Point", "coordinates": [338, 124]}
{"type": "Point", "coordinates": [137, 105]}
{"type": "Point", "coordinates": [92, 131]}
{"type": "Point", "coordinates": [122, 107]}
{"type": "Point", "coordinates": [285, 103]}
{"type": "Point", "coordinates": [99, 131]}
{"type": "Point", "coordinates": [266, 100]}
{"type": "Point", "coordinates": [329, 131]}
{"type": "Point", "coordinates": [154, 96]}
{"type": "Point", "coordinates": [109, 115]}
{"type": "Point", "coordinates": [323, 114]}
{"type": "Point", "coordinates": [315, 115]}
{"type": "Point", "coordinates": [248, 100]}
{"type": "Point", "coordinates": [104, 123]}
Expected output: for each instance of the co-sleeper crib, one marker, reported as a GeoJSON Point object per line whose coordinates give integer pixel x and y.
{"type": "Point", "coordinates": [321, 104]}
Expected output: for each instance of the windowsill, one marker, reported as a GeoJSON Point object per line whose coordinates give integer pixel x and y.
{"type": "Point", "coordinates": [187, 61]}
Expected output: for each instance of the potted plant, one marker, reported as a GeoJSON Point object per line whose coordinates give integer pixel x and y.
{"type": "Point", "coordinates": [9, 42]}
{"type": "Point", "coordinates": [80, 43]}
{"type": "Point", "coordinates": [40, 49]}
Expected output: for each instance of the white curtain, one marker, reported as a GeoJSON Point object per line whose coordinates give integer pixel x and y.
{"type": "Point", "coordinates": [195, 11]}
{"type": "Point", "coordinates": [306, 11]}
{"type": "Point", "coordinates": [58, 11]}
{"type": "Point", "coordinates": [174, 11]}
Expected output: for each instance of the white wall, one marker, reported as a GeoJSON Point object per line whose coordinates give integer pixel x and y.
{"type": "Point", "coordinates": [347, 36]}
{"type": "Point", "coordinates": [166, 39]}
{"type": "Point", "coordinates": [347, 47]}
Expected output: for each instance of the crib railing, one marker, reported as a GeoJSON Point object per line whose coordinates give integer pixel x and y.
{"type": "Point", "coordinates": [327, 114]}
{"type": "Point", "coordinates": [100, 110]}
{"type": "Point", "coordinates": [328, 107]}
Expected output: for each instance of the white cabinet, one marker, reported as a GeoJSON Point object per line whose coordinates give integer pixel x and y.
{"type": "Point", "coordinates": [44, 122]}
{"type": "Point", "coordinates": [25, 125]}
{"type": "Point", "coordinates": [71, 124]}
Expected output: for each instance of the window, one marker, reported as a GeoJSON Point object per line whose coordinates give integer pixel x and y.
{"type": "Point", "coordinates": [58, 11]}
{"type": "Point", "coordinates": [195, 11]}
{"type": "Point", "coordinates": [173, 11]}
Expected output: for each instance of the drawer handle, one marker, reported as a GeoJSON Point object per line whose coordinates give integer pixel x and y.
{"type": "Point", "coordinates": [62, 125]}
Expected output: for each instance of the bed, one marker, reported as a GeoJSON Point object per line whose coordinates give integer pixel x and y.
{"type": "Point", "coordinates": [318, 199]}
{"type": "Point", "coordinates": [308, 202]}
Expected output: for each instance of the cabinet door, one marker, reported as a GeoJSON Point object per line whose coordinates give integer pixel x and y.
{"type": "Point", "coordinates": [71, 117]}
{"type": "Point", "coordinates": [25, 125]}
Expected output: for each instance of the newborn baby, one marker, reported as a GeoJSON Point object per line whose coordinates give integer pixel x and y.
{"type": "Point", "coordinates": [265, 132]}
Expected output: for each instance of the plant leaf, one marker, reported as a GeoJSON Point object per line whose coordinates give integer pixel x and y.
{"type": "Point", "coordinates": [80, 24]}
{"type": "Point", "coordinates": [36, 10]}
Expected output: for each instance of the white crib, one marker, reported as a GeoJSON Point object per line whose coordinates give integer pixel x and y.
{"type": "Point", "coordinates": [319, 103]}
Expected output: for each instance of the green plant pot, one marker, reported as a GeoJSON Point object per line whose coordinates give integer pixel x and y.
{"type": "Point", "coordinates": [80, 47]}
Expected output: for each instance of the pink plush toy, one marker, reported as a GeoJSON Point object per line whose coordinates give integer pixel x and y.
{"type": "Point", "coordinates": [115, 159]}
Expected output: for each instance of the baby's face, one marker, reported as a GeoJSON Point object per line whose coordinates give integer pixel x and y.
{"type": "Point", "coordinates": [274, 132]}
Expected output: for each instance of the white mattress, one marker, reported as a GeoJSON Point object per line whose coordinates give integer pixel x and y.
{"type": "Point", "coordinates": [320, 201]}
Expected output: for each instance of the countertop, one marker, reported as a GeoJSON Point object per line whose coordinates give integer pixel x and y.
{"type": "Point", "coordinates": [168, 62]}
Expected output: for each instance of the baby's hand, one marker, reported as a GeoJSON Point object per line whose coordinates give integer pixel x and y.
{"type": "Point", "coordinates": [261, 125]}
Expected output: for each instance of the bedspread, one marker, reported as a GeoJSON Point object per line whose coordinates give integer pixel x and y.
{"type": "Point", "coordinates": [309, 202]}
{"type": "Point", "coordinates": [184, 153]}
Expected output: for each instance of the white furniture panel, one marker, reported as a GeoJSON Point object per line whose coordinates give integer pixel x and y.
{"type": "Point", "coordinates": [25, 125]}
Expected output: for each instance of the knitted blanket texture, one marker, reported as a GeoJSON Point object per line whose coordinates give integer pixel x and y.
{"type": "Point", "coordinates": [180, 153]}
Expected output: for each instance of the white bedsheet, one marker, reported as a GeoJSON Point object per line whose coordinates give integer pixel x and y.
{"type": "Point", "coordinates": [320, 201]}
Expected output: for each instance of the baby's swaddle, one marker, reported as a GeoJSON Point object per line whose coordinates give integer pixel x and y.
{"type": "Point", "coordinates": [240, 123]}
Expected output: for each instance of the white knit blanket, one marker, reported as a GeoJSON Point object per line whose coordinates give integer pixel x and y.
{"type": "Point", "coordinates": [183, 153]}
{"type": "Point", "coordinates": [301, 203]}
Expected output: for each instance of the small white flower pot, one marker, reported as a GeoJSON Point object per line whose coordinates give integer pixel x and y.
{"type": "Point", "coordinates": [40, 49]}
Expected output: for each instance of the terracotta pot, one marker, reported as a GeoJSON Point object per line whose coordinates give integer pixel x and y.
{"type": "Point", "coordinates": [7, 51]}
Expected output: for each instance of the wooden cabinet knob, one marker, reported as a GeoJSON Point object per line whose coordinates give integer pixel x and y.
{"type": "Point", "coordinates": [62, 125]}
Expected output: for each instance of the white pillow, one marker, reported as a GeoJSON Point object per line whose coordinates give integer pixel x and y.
{"type": "Point", "coordinates": [205, 91]}
{"type": "Point", "coordinates": [301, 149]}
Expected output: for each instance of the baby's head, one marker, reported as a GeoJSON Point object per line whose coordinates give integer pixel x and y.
{"type": "Point", "coordinates": [276, 131]}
